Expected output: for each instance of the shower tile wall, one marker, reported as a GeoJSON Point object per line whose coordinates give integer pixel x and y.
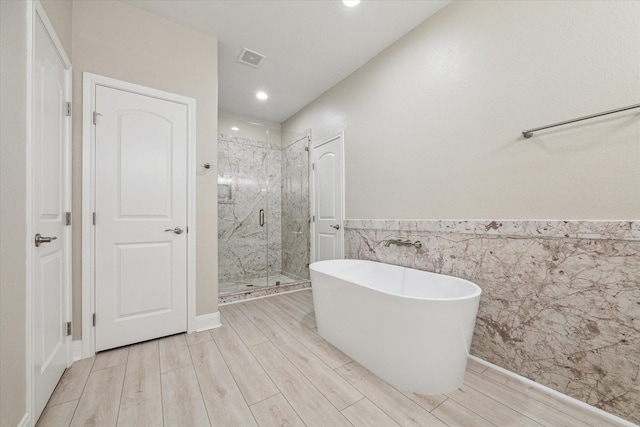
{"type": "Point", "coordinates": [242, 242]}
{"type": "Point", "coordinates": [296, 237]}
{"type": "Point", "coordinates": [560, 302]}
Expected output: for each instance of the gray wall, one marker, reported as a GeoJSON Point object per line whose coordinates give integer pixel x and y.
{"type": "Point", "coordinates": [13, 212]}
{"type": "Point", "coordinates": [432, 124]}
{"type": "Point", "coordinates": [60, 15]}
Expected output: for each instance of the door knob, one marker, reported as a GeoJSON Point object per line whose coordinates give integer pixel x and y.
{"type": "Point", "coordinates": [337, 226]}
{"type": "Point", "coordinates": [40, 240]}
{"type": "Point", "coordinates": [177, 230]}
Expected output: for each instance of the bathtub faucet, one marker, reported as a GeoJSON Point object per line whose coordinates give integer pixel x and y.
{"type": "Point", "coordinates": [400, 242]}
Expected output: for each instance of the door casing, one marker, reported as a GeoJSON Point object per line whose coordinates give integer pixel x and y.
{"type": "Point", "coordinates": [90, 81]}
{"type": "Point", "coordinates": [313, 188]}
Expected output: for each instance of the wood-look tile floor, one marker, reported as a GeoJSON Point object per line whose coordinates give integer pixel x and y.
{"type": "Point", "coordinates": [266, 366]}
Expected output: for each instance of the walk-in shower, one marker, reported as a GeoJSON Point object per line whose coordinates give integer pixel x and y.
{"type": "Point", "coordinates": [263, 208]}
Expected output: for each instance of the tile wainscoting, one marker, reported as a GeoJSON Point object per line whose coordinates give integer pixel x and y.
{"type": "Point", "coordinates": [560, 302]}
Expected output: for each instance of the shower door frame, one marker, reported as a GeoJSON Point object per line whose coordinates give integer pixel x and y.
{"type": "Point", "coordinates": [264, 229]}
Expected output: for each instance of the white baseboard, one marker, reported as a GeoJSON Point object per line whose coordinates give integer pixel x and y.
{"type": "Point", "coordinates": [25, 421]}
{"type": "Point", "coordinates": [76, 350]}
{"type": "Point", "coordinates": [560, 396]}
{"type": "Point", "coordinates": [208, 321]}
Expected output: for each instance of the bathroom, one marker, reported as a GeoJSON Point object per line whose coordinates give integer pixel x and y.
{"type": "Point", "coordinates": [547, 226]}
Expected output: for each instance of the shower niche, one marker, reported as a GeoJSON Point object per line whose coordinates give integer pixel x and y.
{"type": "Point", "coordinates": [263, 208]}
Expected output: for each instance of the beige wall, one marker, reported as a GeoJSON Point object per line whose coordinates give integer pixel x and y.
{"type": "Point", "coordinates": [432, 125]}
{"type": "Point", "coordinates": [59, 14]}
{"type": "Point", "coordinates": [13, 217]}
{"type": "Point", "coordinates": [116, 40]}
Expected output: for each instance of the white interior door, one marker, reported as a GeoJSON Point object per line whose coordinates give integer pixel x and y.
{"type": "Point", "coordinates": [328, 199]}
{"type": "Point", "coordinates": [50, 200]}
{"type": "Point", "coordinates": [141, 217]}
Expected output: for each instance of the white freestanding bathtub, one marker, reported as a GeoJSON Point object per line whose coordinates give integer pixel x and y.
{"type": "Point", "coordinates": [411, 328]}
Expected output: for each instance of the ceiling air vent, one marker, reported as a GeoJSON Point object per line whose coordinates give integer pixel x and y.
{"type": "Point", "coordinates": [251, 58]}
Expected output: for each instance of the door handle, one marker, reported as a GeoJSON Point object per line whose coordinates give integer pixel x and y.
{"type": "Point", "coordinates": [337, 226]}
{"type": "Point", "coordinates": [261, 217]}
{"type": "Point", "coordinates": [40, 240]}
{"type": "Point", "coordinates": [177, 230]}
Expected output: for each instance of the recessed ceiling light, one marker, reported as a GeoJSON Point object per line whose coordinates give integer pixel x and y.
{"type": "Point", "coordinates": [235, 128]}
{"type": "Point", "coordinates": [350, 3]}
{"type": "Point", "coordinates": [261, 95]}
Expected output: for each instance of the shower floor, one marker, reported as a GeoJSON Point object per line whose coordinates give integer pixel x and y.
{"type": "Point", "coordinates": [246, 284]}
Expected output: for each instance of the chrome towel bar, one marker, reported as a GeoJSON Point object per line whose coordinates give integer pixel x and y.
{"type": "Point", "coordinates": [528, 133]}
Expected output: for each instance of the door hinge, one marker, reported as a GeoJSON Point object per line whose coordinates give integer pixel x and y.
{"type": "Point", "coordinates": [313, 166]}
{"type": "Point", "coordinates": [67, 109]}
{"type": "Point", "coordinates": [68, 328]}
{"type": "Point", "coordinates": [94, 319]}
{"type": "Point", "coordinates": [94, 218]}
{"type": "Point", "coordinates": [306, 148]}
{"type": "Point", "coordinates": [95, 117]}
{"type": "Point", "coordinates": [67, 218]}
{"type": "Point", "coordinates": [313, 218]}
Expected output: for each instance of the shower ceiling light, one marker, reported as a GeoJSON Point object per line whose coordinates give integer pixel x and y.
{"type": "Point", "coordinates": [350, 3]}
{"type": "Point", "coordinates": [262, 96]}
{"type": "Point", "coordinates": [235, 128]}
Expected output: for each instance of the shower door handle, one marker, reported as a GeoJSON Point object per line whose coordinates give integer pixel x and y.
{"type": "Point", "coordinates": [261, 217]}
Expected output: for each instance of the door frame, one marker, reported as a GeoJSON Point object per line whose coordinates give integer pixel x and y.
{"type": "Point", "coordinates": [89, 82]}
{"type": "Point", "coordinates": [36, 13]}
{"type": "Point", "coordinates": [312, 187]}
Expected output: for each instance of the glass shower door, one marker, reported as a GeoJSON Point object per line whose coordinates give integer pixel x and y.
{"type": "Point", "coordinates": [263, 207]}
{"type": "Point", "coordinates": [242, 214]}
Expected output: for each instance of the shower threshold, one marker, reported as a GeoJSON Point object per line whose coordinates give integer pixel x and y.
{"type": "Point", "coordinates": [247, 288]}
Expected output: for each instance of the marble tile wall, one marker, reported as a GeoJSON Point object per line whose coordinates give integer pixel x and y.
{"type": "Point", "coordinates": [253, 168]}
{"type": "Point", "coordinates": [296, 237]}
{"type": "Point", "coordinates": [560, 302]}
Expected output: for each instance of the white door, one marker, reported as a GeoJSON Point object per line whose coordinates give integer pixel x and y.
{"type": "Point", "coordinates": [50, 199]}
{"type": "Point", "coordinates": [141, 217]}
{"type": "Point", "coordinates": [328, 199]}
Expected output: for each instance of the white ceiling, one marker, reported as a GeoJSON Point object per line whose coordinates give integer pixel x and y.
{"type": "Point", "coordinates": [310, 44]}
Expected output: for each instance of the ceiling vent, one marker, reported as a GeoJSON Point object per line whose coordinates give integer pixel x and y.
{"type": "Point", "coordinates": [251, 58]}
